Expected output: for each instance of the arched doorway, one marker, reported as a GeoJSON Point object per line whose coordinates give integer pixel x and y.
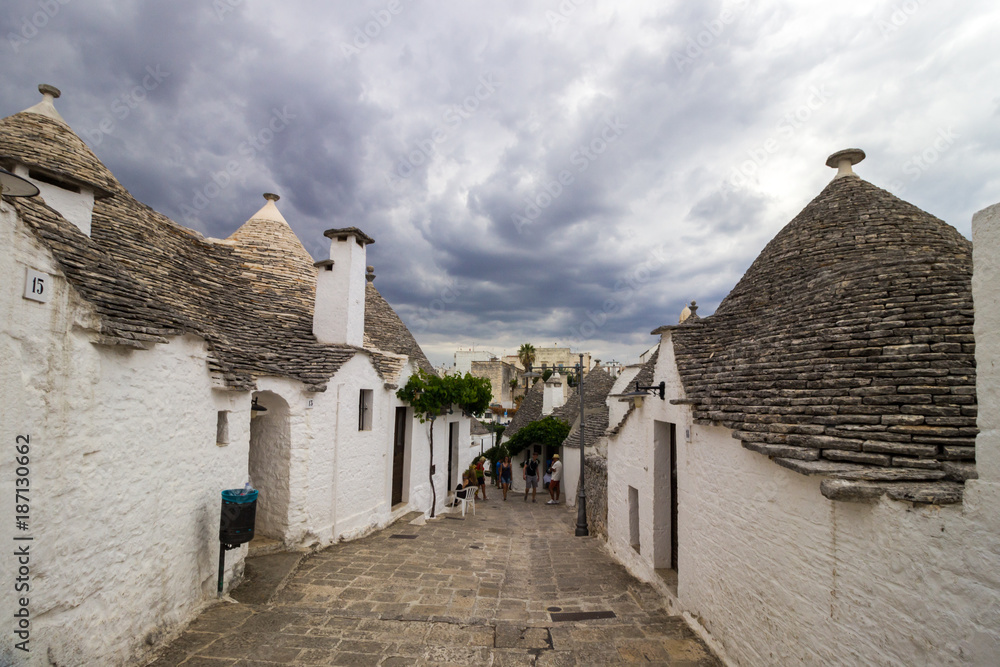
{"type": "Point", "coordinates": [269, 465]}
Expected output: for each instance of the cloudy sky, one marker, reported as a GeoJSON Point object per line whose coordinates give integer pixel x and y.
{"type": "Point", "coordinates": [556, 172]}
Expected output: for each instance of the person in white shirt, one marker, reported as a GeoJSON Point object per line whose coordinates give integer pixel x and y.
{"type": "Point", "coordinates": [556, 471]}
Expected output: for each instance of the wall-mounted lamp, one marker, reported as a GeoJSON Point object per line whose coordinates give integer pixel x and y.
{"type": "Point", "coordinates": [12, 185]}
{"type": "Point", "coordinates": [256, 410]}
{"type": "Point", "coordinates": [638, 393]}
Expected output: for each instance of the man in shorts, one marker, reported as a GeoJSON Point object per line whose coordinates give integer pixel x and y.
{"type": "Point", "coordinates": [556, 470]}
{"type": "Point", "coordinates": [530, 475]}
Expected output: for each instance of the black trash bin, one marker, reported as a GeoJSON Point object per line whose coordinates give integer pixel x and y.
{"type": "Point", "coordinates": [239, 511]}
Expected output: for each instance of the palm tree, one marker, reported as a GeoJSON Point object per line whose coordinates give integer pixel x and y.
{"type": "Point", "coordinates": [526, 355]}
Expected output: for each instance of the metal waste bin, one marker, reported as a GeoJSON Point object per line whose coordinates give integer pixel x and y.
{"type": "Point", "coordinates": [239, 512]}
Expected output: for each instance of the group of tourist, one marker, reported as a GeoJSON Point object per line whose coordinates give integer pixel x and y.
{"type": "Point", "coordinates": [475, 478]}
{"type": "Point", "coordinates": [553, 473]}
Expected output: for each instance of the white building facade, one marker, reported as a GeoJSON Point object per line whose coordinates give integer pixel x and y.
{"type": "Point", "coordinates": [864, 534]}
{"type": "Point", "coordinates": [131, 380]}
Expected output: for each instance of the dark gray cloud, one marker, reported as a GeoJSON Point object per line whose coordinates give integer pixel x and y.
{"type": "Point", "coordinates": [568, 172]}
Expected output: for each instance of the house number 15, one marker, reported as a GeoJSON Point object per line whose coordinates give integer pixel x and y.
{"type": "Point", "coordinates": [36, 286]}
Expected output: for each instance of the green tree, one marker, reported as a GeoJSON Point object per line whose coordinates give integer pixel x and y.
{"type": "Point", "coordinates": [549, 431]}
{"type": "Point", "coordinates": [431, 395]}
{"type": "Point", "coordinates": [526, 355]}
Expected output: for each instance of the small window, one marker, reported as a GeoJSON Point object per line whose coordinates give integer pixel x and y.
{"type": "Point", "coordinates": [222, 428]}
{"type": "Point", "coordinates": [633, 518]}
{"type": "Point", "coordinates": [365, 410]}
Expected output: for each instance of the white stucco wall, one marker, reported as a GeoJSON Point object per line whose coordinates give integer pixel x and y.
{"type": "Point", "coordinates": [631, 463]}
{"type": "Point", "coordinates": [340, 478]}
{"type": "Point", "coordinates": [125, 474]}
{"type": "Point", "coordinates": [986, 296]}
{"type": "Point", "coordinates": [780, 575]}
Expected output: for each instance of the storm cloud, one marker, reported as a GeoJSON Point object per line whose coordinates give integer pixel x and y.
{"type": "Point", "coordinates": [566, 172]}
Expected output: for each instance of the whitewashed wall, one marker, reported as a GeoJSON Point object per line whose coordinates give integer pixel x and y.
{"type": "Point", "coordinates": [125, 473]}
{"type": "Point", "coordinates": [340, 477]}
{"type": "Point", "coordinates": [780, 575]}
{"type": "Point", "coordinates": [630, 463]}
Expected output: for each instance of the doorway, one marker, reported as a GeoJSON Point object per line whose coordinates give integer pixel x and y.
{"type": "Point", "coordinates": [398, 456]}
{"type": "Point", "coordinates": [269, 464]}
{"type": "Point", "coordinates": [453, 473]}
{"type": "Point", "coordinates": [664, 495]}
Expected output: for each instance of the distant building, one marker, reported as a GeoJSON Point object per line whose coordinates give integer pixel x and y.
{"type": "Point", "coordinates": [465, 358]}
{"type": "Point", "coordinates": [553, 358]}
{"type": "Point", "coordinates": [500, 374]}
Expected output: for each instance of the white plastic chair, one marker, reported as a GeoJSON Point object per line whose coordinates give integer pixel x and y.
{"type": "Point", "coordinates": [470, 499]}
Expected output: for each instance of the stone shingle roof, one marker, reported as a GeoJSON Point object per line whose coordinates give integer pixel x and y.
{"type": "Point", "coordinates": [384, 330]}
{"type": "Point", "coordinates": [130, 314]}
{"type": "Point", "coordinates": [596, 386]}
{"type": "Point", "coordinates": [530, 410]}
{"type": "Point", "coordinates": [250, 297]}
{"type": "Point", "coordinates": [40, 141]}
{"type": "Point", "coordinates": [847, 348]}
{"type": "Point", "coordinates": [255, 312]}
{"type": "Point", "coordinates": [645, 379]}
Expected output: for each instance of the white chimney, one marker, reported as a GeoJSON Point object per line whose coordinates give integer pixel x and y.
{"type": "Point", "coordinates": [553, 393]}
{"type": "Point", "coordinates": [339, 314]}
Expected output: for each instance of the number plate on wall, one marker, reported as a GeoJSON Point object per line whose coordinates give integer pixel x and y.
{"type": "Point", "coordinates": [37, 286]}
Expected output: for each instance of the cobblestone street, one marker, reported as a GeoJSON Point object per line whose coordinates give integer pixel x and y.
{"type": "Point", "coordinates": [485, 590]}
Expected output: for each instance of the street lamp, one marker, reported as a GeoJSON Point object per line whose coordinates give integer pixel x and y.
{"type": "Point", "coordinates": [581, 496]}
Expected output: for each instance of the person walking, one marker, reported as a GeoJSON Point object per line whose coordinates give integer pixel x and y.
{"type": "Point", "coordinates": [481, 475]}
{"type": "Point", "coordinates": [556, 472]}
{"type": "Point", "coordinates": [530, 475]}
{"type": "Point", "coordinates": [505, 476]}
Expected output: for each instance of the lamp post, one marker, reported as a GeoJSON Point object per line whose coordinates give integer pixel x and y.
{"type": "Point", "coordinates": [581, 496]}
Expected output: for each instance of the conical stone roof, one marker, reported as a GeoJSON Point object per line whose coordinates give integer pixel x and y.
{"type": "Point", "coordinates": [149, 278]}
{"type": "Point", "coordinates": [848, 340]}
{"type": "Point", "coordinates": [39, 137]}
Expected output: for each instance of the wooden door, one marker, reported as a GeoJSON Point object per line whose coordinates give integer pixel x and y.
{"type": "Point", "coordinates": [452, 446]}
{"type": "Point", "coordinates": [398, 454]}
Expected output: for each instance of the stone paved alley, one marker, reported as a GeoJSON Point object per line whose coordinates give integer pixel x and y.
{"type": "Point", "coordinates": [478, 591]}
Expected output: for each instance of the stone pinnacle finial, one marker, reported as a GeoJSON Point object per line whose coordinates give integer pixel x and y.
{"type": "Point", "coordinates": [843, 160]}
{"type": "Point", "coordinates": [50, 91]}
{"type": "Point", "coordinates": [688, 311]}
{"type": "Point", "coordinates": [270, 196]}
{"type": "Point", "coordinates": [370, 276]}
